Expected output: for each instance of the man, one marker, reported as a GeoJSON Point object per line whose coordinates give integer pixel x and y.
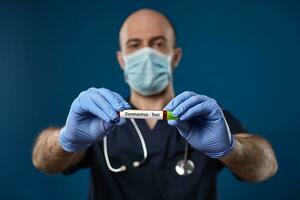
{"type": "Point", "coordinates": [148, 55]}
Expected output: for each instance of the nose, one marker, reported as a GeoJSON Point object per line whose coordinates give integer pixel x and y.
{"type": "Point", "coordinates": [146, 43]}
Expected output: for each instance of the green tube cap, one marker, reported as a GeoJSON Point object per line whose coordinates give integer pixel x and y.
{"type": "Point", "coordinates": [170, 116]}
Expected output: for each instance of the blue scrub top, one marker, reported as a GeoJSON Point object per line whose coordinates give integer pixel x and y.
{"type": "Point", "coordinates": [156, 178]}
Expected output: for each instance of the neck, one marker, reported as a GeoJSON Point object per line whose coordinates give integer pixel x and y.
{"type": "Point", "coordinates": [154, 102]}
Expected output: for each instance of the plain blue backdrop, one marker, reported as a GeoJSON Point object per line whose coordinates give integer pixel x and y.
{"type": "Point", "coordinates": [245, 54]}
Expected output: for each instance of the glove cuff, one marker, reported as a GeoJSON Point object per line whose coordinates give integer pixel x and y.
{"type": "Point", "coordinates": [70, 146]}
{"type": "Point", "coordinates": [225, 152]}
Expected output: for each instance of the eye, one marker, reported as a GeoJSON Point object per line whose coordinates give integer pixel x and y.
{"type": "Point", "coordinates": [159, 44]}
{"type": "Point", "coordinates": [133, 45]}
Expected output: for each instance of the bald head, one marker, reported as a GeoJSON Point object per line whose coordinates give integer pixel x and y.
{"type": "Point", "coordinates": [146, 27]}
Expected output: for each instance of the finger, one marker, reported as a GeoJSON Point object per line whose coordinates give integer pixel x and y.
{"type": "Point", "coordinates": [121, 122]}
{"type": "Point", "coordinates": [105, 106]}
{"type": "Point", "coordinates": [87, 105]}
{"type": "Point", "coordinates": [178, 99]}
{"type": "Point", "coordinates": [188, 103]}
{"type": "Point", "coordinates": [110, 126]}
{"type": "Point", "coordinates": [126, 104]}
{"type": "Point", "coordinates": [114, 99]}
{"type": "Point", "coordinates": [110, 98]}
{"type": "Point", "coordinates": [203, 109]}
{"type": "Point", "coordinates": [183, 127]}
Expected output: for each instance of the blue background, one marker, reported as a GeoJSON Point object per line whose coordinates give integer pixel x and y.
{"type": "Point", "coordinates": [245, 54]}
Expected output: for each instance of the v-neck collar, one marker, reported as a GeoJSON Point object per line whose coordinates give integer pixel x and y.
{"type": "Point", "coordinates": [144, 123]}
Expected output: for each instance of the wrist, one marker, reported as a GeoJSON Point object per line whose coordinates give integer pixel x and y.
{"type": "Point", "coordinates": [231, 146]}
{"type": "Point", "coordinates": [69, 145]}
{"type": "Point", "coordinates": [224, 152]}
{"type": "Point", "coordinates": [232, 154]}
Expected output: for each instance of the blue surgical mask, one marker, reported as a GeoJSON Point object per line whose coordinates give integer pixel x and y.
{"type": "Point", "coordinates": [148, 71]}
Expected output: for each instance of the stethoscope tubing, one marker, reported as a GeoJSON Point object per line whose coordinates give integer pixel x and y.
{"type": "Point", "coordinates": [183, 167]}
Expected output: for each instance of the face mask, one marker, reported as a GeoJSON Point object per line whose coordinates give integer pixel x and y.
{"type": "Point", "coordinates": [147, 71]}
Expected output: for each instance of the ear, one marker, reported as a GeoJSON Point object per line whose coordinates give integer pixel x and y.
{"type": "Point", "coordinates": [120, 59]}
{"type": "Point", "coordinates": [176, 57]}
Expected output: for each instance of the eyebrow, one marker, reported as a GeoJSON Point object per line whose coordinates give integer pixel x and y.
{"type": "Point", "coordinates": [132, 40]}
{"type": "Point", "coordinates": [151, 40]}
{"type": "Point", "coordinates": [158, 38]}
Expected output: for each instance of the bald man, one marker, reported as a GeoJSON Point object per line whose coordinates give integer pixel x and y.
{"type": "Point", "coordinates": [95, 135]}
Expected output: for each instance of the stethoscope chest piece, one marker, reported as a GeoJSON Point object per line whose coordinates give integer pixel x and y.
{"type": "Point", "coordinates": [184, 167]}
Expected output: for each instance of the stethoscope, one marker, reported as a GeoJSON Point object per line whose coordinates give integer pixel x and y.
{"type": "Point", "coordinates": [184, 167]}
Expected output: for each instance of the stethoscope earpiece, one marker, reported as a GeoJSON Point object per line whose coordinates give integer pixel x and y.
{"type": "Point", "coordinates": [123, 168]}
{"type": "Point", "coordinates": [136, 163]}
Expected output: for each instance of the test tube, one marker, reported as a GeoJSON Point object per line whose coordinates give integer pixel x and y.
{"type": "Point", "coordinates": [148, 114]}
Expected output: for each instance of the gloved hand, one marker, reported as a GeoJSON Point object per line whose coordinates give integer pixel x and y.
{"type": "Point", "coordinates": [92, 115]}
{"type": "Point", "coordinates": [202, 123]}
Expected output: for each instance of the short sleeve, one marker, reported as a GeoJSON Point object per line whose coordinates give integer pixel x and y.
{"type": "Point", "coordinates": [234, 124]}
{"type": "Point", "coordinates": [84, 163]}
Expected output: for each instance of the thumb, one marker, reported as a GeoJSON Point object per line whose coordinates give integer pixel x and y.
{"type": "Point", "coordinates": [182, 126]}
{"type": "Point", "coordinates": [109, 126]}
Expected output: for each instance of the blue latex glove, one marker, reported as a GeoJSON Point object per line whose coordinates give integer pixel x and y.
{"type": "Point", "coordinates": [202, 123]}
{"type": "Point", "coordinates": [92, 116]}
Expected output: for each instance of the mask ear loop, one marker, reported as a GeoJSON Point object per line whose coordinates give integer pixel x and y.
{"type": "Point", "coordinates": [169, 60]}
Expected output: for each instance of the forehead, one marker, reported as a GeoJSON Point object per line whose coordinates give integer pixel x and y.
{"type": "Point", "coordinates": [145, 27]}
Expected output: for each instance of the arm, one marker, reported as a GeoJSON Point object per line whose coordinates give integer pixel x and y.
{"type": "Point", "coordinates": [252, 158]}
{"type": "Point", "coordinates": [48, 155]}
{"type": "Point", "coordinates": [92, 115]}
{"type": "Point", "coordinates": [202, 123]}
